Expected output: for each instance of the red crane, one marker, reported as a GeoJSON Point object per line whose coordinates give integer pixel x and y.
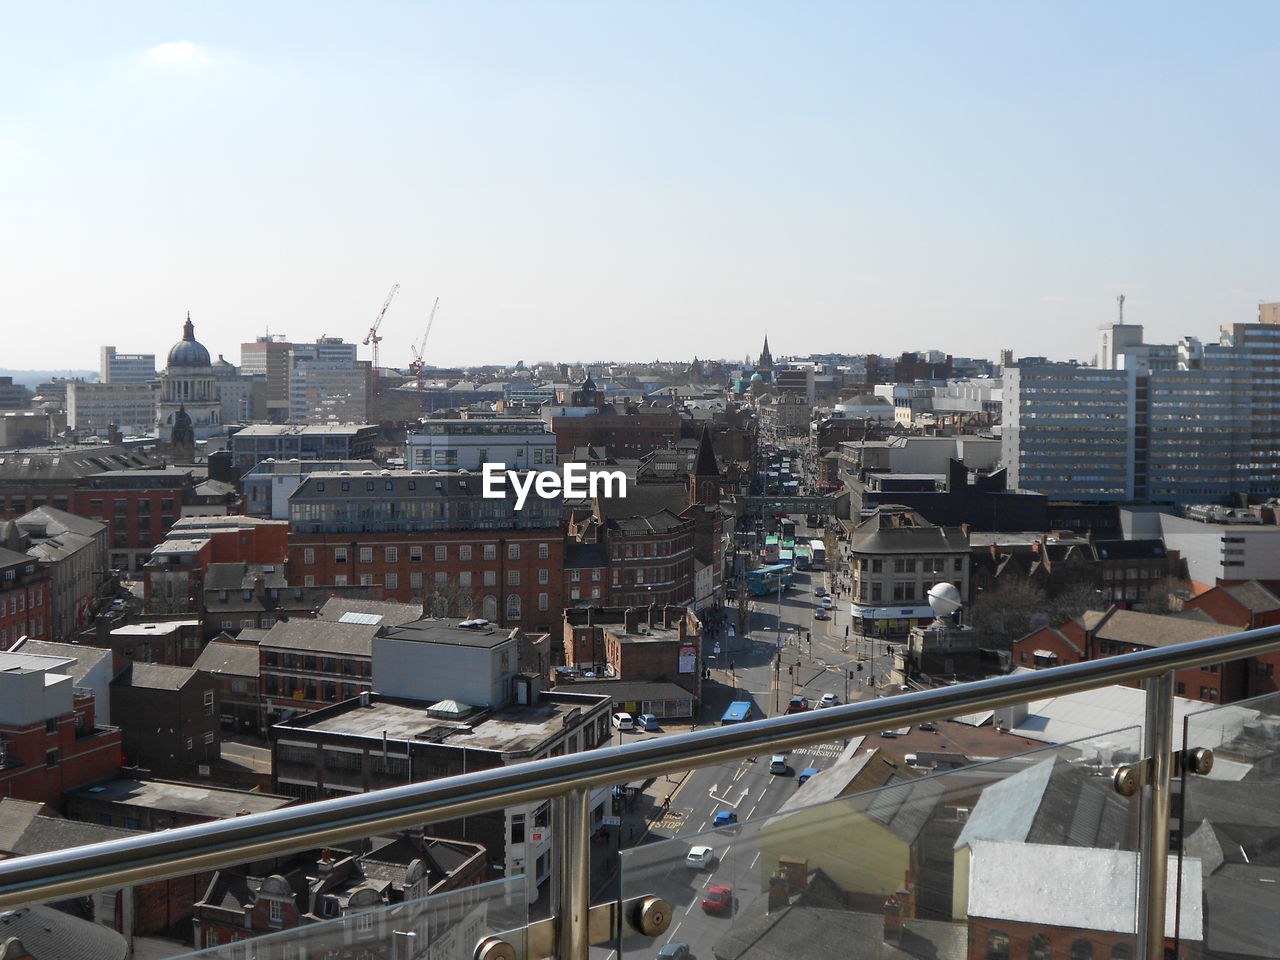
{"type": "Point", "coordinates": [417, 363]}
{"type": "Point", "coordinates": [373, 337]}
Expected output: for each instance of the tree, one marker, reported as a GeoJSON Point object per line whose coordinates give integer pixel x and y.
{"type": "Point", "coordinates": [1165, 596]}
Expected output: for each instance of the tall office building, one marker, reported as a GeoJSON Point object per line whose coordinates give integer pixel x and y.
{"type": "Point", "coordinates": [126, 367]}
{"type": "Point", "coordinates": [1181, 423]}
{"type": "Point", "coordinates": [326, 382]}
{"type": "Point", "coordinates": [268, 357]}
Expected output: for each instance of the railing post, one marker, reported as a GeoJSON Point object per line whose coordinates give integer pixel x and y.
{"type": "Point", "coordinates": [573, 839]}
{"type": "Point", "coordinates": [1154, 861]}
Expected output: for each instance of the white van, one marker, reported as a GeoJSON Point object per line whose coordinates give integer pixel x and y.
{"type": "Point", "coordinates": [623, 721]}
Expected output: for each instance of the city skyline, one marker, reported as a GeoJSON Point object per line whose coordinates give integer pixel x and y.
{"type": "Point", "coordinates": [621, 183]}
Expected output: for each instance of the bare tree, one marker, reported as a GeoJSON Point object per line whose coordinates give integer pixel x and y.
{"type": "Point", "coordinates": [1165, 596]}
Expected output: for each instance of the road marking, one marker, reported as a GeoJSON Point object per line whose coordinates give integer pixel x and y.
{"type": "Point", "coordinates": [753, 810]}
{"type": "Point", "coordinates": [673, 929]}
{"type": "Point", "coordinates": [753, 860]}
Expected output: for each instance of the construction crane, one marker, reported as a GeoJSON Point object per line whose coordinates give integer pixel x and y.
{"type": "Point", "coordinates": [373, 337]}
{"type": "Point", "coordinates": [416, 365]}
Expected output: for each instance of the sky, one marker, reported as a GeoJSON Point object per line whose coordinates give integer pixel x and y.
{"type": "Point", "coordinates": [594, 180]}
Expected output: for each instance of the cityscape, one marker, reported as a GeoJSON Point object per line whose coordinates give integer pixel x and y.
{"type": "Point", "coordinates": [738, 483]}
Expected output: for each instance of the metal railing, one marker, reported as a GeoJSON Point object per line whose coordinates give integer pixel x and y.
{"type": "Point", "coordinates": [568, 780]}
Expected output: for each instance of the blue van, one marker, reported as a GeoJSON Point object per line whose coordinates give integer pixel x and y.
{"type": "Point", "coordinates": [805, 774]}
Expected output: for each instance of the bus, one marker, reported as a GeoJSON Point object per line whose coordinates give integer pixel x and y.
{"type": "Point", "coordinates": [771, 549]}
{"type": "Point", "coordinates": [817, 553]}
{"type": "Point", "coordinates": [787, 557]}
{"type": "Point", "coordinates": [802, 557]}
{"type": "Point", "coordinates": [737, 712]}
{"type": "Point", "coordinates": [787, 528]}
{"type": "Point", "coordinates": [765, 580]}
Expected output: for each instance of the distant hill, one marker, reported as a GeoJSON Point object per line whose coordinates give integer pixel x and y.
{"type": "Point", "coordinates": [30, 378]}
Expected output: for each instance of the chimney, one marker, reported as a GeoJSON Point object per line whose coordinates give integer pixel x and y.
{"type": "Point", "coordinates": [326, 864]}
{"type": "Point", "coordinates": [651, 623]}
{"type": "Point", "coordinates": [630, 620]}
{"type": "Point", "coordinates": [995, 551]}
{"type": "Point", "coordinates": [965, 528]}
{"type": "Point", "coordinates": [892, 920]}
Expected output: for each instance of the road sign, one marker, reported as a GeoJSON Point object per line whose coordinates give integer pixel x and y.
{"type": "Point", "coordinates": [612, 821]}
{"type": "Point", "coordinates": [778, 644]}
{"type": "Point", "coordinates": [715, 648]}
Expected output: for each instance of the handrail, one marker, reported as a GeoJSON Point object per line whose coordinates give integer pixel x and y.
{"type": "Point", "coordinates": [168, 853]}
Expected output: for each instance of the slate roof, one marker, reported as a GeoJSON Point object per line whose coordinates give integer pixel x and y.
{"type": "Point", "coordinates": [15, 817]}
{"type": "Point", "coordinates": [1148, 629]}
{"type": "Point", "coordinates": [580, 555]}
{"type": "Point", "coordinates": [878, 534]}
{"type": "Point", "coordinates": [55, 521]}
{"type": "Point", "coordinates": [645, 500]}
{"type": "Point", "coordinates": [85, 656]}
{"type": "Point", "coordinates": [904, 808]}
{"type": "Point", "coordinates": [237, 659]}
{"type": "Point", "coordinates": [1240, 911]}
{"type": "Point", "coordinates": [393, 614]}
{"type": "Point", "coordinates": [1254, 597]}
{"type": "Point", "coordinates": [243, 576]}
{"type": "Point", "coordinates": [46, 834]}
{"type": "Point", "coordinates": [154, 676]}
{"type": "Point", "coordinates": [355, 639]}
{"type": "Point", "coordinates": [659, 522]}
{"type": "Point", "coordinates": [50, 934]}
{"type": "Point", "coordinates": [1050, 802]}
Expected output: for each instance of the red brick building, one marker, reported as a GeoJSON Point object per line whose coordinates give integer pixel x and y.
{"type": "Point", "coordinates": [1246, 606]}
{"type": "Point", "coordinates": [175, 571]}
{"type": "Point", "coordinates": [49, 740]}
{"type": "Point", "coordinates": [138, 507]}
{"type": "Point", "coordinates": [1115, 632]}
{"type": "Point", "coordinates": [25, 595]}
{"type": "Point", "coordinates": [431, 539]}
{"type": "Point", "coordinates": [54, 475]}
{"type": "Point", "coordinates": [636, 645]}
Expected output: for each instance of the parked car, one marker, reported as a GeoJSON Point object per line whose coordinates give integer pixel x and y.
{"type": "Point", "coordinates": [805, 774]}
{"type": "Point", "coordinates": [674, 951]}
{"type": "Point", "coordinates": [724, 818]}
{"type": "Point", "coordinates": [699, 858]}
{"type": "Point", "coordinates": [623, 721]}
{"type": "Point", "coordinates": [647, 721]}
{"type": "Point", "coordinates": [718, 899]}
{"type": "Point", "coordinates": [777, 763]}
{"type": "Point", "coordinates": [827, 603]}
{"type": "Point", "coordinates": [828, 700]}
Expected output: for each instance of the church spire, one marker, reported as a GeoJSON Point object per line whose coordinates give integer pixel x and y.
{"type": "Point", "coordinates": [766, 358]}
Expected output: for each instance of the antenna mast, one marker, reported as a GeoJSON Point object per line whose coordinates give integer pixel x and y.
{"type": "Point", "coordinates": [1120, 300]}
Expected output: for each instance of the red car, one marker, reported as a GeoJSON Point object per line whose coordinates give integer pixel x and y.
{"type": "Point", "coordinates": [718, 899]}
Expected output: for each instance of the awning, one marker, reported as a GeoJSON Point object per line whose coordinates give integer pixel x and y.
{"type": "Point", "coordinates": [893, 613]}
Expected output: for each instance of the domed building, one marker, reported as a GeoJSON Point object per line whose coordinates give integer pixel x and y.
{"type": "Point", "coordinates": [189, 385]}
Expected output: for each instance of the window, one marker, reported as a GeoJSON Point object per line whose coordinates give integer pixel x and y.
{"type": "Point", "coordinates": [997, 945]}
{"type": "Point", "coordinates": [339, 554]}
{"type": "Point", "coordinates": [208, 703]}
{"type": "Point", "coordinates": [1039, 947]}
{"type": "Point", "coordinates": [415, 554]}
{"type": "Point", "coordinates": [364, 923]}
{"type": "Point", "coordinates": [517, 828]}
{"type": "Point", "coordinates": [904, 566]}
{"type": "Point", "coordinates": [51, 725]}
{"type": "Point", "coordinates": [513, 551]}
{"type": "Point", "coordinates": [513, 606]}
{"type": "Point", "coordinates": [340, 580]}
{"type": "Point", "coordinates": [366, 554]}
{"type": "Point", "coordinates": [876, 566]}
{"type": "Point", "coordinates": [391, 581]}
{"type": "Point", "coordinates": [308, 556]}
{"type": "Point", "coordinates": [276, 911]}
{"type": "Point", "coordinates": [390, 554]}
{"type": "Point", "coordinates": [366, 579]}
{"type": "Point", "coordinates": [544, 551]}
{"type": "Point", "coordinates": [544, 576]}
{"type": "Point", "coordinates": [490, 552]}
{"type": "Point", "coordinates": [513, 578]}
{"type": "Point", "coordinates": [575, 576]}
{"type": "Point", "coordinates": [1081, 949]}
{"type": "Point", "coordinates": [490, 578]}
{"type": "Point", "coordinates": [415, 580]}
{"type": "Point", "coordinates": [442, 554]}
{"type": "Point", "coordinates": [464, 551]}
{"type": "Point", "coordinates": [544, 602]}
{"type": "Point", "coordinates": [189, 743]}
{"type": "Point", "coordinates": [464, 578]}
{"type": "Point", "coordinates": [876, 591]}
{"type": "Point", "coordinates": [208, 737]}
{"type": "Point", "coordinates": [51, 758]}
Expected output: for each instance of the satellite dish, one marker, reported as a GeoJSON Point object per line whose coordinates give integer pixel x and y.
{"type": "Point", "coordinates": [944, 599]}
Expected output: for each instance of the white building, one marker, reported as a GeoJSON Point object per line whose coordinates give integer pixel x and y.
{"type": "Point", "coordinates": [326, 382]}
{"type": "Point", "coordinates": [126, 367]}
{"type": "Point", "coordinates": [188, 383]}
{"type": "Point", "coordinates": [516, 442]}
{"type": "Point", "coordinates": [129, 406]}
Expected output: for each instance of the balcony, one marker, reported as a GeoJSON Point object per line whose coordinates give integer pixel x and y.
{"type": "Point", "coordinates": [1150, 841]}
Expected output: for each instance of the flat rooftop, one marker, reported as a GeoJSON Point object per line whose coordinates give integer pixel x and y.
{"type": "Point", "coordinates": [213, 802]}
{"type": "Point", "coordinates": [155, 628]}
{"type": "Point", "coordinates": [447, 631]}
{"type": "Point", "coordinates": [513, 728]}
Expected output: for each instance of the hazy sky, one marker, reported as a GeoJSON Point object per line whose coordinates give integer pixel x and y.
{"type": "Point", "coordinates": [631, 180]}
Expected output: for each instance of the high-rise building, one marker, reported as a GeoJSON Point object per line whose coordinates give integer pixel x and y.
{"type": "Point", "coordinates": [268, 357]}
{"type": "Point", "coordinates": [129, 406]}
{"type": "Point", "coordinates": [326, 382]}
{"type": "Point", "coordinates": [126, 367]}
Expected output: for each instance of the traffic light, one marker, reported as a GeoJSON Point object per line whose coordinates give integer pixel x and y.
{"type": "Point", "coordinates": [859, 668]}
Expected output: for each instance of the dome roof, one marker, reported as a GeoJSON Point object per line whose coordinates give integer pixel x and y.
{"type": "Point", "coordinates": [188, 352]}
{"type": "Point", "coordinates": [757, 377]}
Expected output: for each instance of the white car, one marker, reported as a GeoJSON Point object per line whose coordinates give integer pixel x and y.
{"type": "Point", "coordinates": [828, 700]}
{"type": "Point", "coordinates": [699, 858]}
{"type": "Point", "coordinates": [623, 721]}
{"type": "Point", "coordinates": [827, 603]}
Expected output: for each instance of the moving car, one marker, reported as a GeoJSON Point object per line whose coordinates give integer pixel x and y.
{"type": "Point", "coordinates": [797, 705]}
{"type": "Point", "coordinates": [821, 614]}
{"type": "Point", "coordinates": [928, 725]}
{"type": "Point", "coordinates": [623, 721]}
{"type": "Point", "coordinates": [699, 858]}
{"type": "Point", "coordinates": [828, 700]}
{"type": "Point", "coordinates": [718, 899]}
{"type": "Point", "coordinates": [819, 591]}
{"type": "Point", "coordinates": [805, 774]}
{"type": "Point", "coordinates": [777, 763]}
{"type": "Point", "coordinates": [674, 951]}
{"type": "Point", "coordinates": [724, 818]}
{"type": "Point", "coordinates": [647, 721]}
{"type": "Point", "coordinates": [827, 603]}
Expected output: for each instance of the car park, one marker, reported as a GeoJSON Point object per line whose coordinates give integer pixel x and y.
{"type": "Point", "coordinates": [699, 858]}
{"type": "Point", "coordinates": [777, 763]}
{"type": "Point", "coordinates": [805, 774]}
{"type": "Point", "coordinates": [718, 899]}
{"type": "Point", "coordinates": [623, 721]}
{"type": "Point", "coordinates": [647, 721]}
